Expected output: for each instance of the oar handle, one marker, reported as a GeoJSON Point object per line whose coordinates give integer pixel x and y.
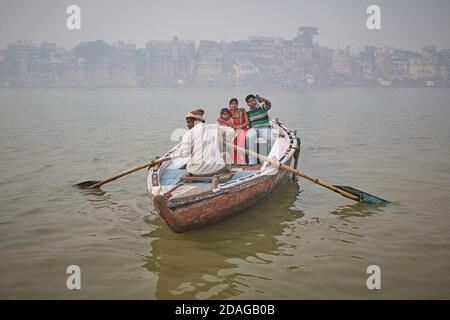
{"type": "Point", "coordinates": [131, 170]}
{"type": "Point", "coordinates": [276, 163]}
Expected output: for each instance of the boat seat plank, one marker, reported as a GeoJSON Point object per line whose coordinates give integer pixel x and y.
{"type": "Point", "coordinates": [171, 177]}
{"type": "Point", "coordinates": [222, 177]}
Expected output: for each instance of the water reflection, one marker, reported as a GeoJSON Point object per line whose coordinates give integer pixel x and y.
{"type": "Point", "coordinates": [198, 264]}
{"type": "Point", "coordinates": [358, 210]}
{"type": "Point", "coordinates": [96, 192]}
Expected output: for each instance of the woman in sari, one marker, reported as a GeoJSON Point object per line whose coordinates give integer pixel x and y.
{"type": "Point", "coordinates": [241, 124]}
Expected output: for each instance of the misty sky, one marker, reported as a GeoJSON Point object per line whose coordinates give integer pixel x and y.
{"type": "Point", "coordinates": [407, 24]}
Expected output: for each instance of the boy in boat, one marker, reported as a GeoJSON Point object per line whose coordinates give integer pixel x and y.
{"type": "Point", "coordinates": [260, 127]}
{"type": "Point", "coordinates": [203, 144]}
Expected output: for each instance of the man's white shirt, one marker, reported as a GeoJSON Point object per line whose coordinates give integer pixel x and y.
{"type": "Point", "coordinates": [204, 145]}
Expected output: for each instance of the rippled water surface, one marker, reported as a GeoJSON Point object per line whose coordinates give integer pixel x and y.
{"type": "Point", "coordinates": [302, 242]}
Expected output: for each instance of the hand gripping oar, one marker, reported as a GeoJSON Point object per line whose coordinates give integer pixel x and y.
{"type": "Point", "coordinates": [97, 184]}
{"type": "Point", "coordinates": [344, 191]}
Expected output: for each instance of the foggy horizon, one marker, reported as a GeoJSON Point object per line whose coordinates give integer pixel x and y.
{"type": "Point", "coordinates": [407, 25]}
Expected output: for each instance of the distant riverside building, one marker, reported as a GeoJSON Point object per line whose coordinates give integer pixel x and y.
{"type": "Point", "coordinates": [68, 73]}
{"type": "Point", "coordinates": [169, 62]}
{"type": "Point", "coordinates": [266, 57]}
{"type": "Point", "coordinates": [18, 61]}
{"type": "Point", "coordinates": [430, 55]}
{"type": "Point", "coordinates": [268, 60]}
{"type": "Point", "coordinates": [238, 61]}
{"type": "Point", "coordinates": [323, 69]}
{"type": "Point", "coordinates": [386, 63]}
{"type": "Point", "coordinates": [141, 66]}
{"type": "Point", "coordinates": [341, 63]}
{"type": "Point", "coordinates": [209, 62]}
{"type": "Point", "coordinates": [430, 62]}
{"type": "Point", "coordinates": [301, 59]}
{"type": "Point", "coordinates": [432, 66]}
{"type": "Point", "coordinates": [415, 69]}
{"type": "Point", "coordinates": [93, 60]}
{"type": "Point", "coordinates": [4, 79]}
{"type": "Point", "coordinates": [249, 59]}
{"type": "Point", "coordinates": [444, 64]}
{"type": "Point", "coordinates": [123, 65]}
{"type": "Point", "coordinates": [237, 52]}
{"type": "Point", "coordinates": [264, 50]}
{"type": "Point", "coordinates": [400, 64]}
{"type": "Point", "coordinates": [245, 72]}
{"type": "Point", "coordinates": [445, 58]}
{"type": "Point", "coordinates": [367, 64]}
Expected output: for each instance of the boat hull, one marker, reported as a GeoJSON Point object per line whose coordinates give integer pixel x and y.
{"type": "Point", "coordinates": [183, 210]}
{"type": "Point", "coordinates": [204, 212]}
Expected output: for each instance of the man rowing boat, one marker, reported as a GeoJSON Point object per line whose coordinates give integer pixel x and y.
{"type": "Point", "coordinates": [203, 145]}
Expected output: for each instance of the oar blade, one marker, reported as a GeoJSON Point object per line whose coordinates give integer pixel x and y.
{"type": "Point", "coordinates": [364, 196]}
{"type": "Point", "coordinates": [86, 184]}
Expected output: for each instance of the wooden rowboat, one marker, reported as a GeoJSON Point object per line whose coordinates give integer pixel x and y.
{"type": "Point", "coordinates": [188, 205]}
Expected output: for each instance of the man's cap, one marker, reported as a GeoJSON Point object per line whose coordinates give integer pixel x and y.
{"type": "Point", "coordinates": [196, 114]}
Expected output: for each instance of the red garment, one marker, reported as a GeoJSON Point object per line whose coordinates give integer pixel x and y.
{"type": "Point", "coordinates": [239, 157]}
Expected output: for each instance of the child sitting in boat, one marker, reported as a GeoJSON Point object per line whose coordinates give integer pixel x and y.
{"type": "Point", "coordinates": [225, 118]}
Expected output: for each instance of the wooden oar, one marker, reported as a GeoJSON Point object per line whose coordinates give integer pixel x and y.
{"type": "Point", "coordinates": [344, 191]}
{"type": "Point", "coordinates": [98, 184]}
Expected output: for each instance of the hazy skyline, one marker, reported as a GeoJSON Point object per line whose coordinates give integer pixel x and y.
{"type": "Point", "coordinates": [405, 24]}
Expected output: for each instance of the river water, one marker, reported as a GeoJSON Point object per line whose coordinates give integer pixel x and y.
{"type": "Point", "coordinates": [303, 242]}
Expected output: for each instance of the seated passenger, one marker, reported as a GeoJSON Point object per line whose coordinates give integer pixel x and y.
{"type": "Point", "coordinates": [259, 137]}
{"type": "Point", "coordinates": [240, 125]}
{"type": "Point", "coordinates": [203, 145]}
{"type": "Point", "coordinates": [225, 118]}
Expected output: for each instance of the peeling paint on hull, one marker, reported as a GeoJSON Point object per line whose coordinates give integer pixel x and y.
{"type": "Point", "coordinates": [203, 213]}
